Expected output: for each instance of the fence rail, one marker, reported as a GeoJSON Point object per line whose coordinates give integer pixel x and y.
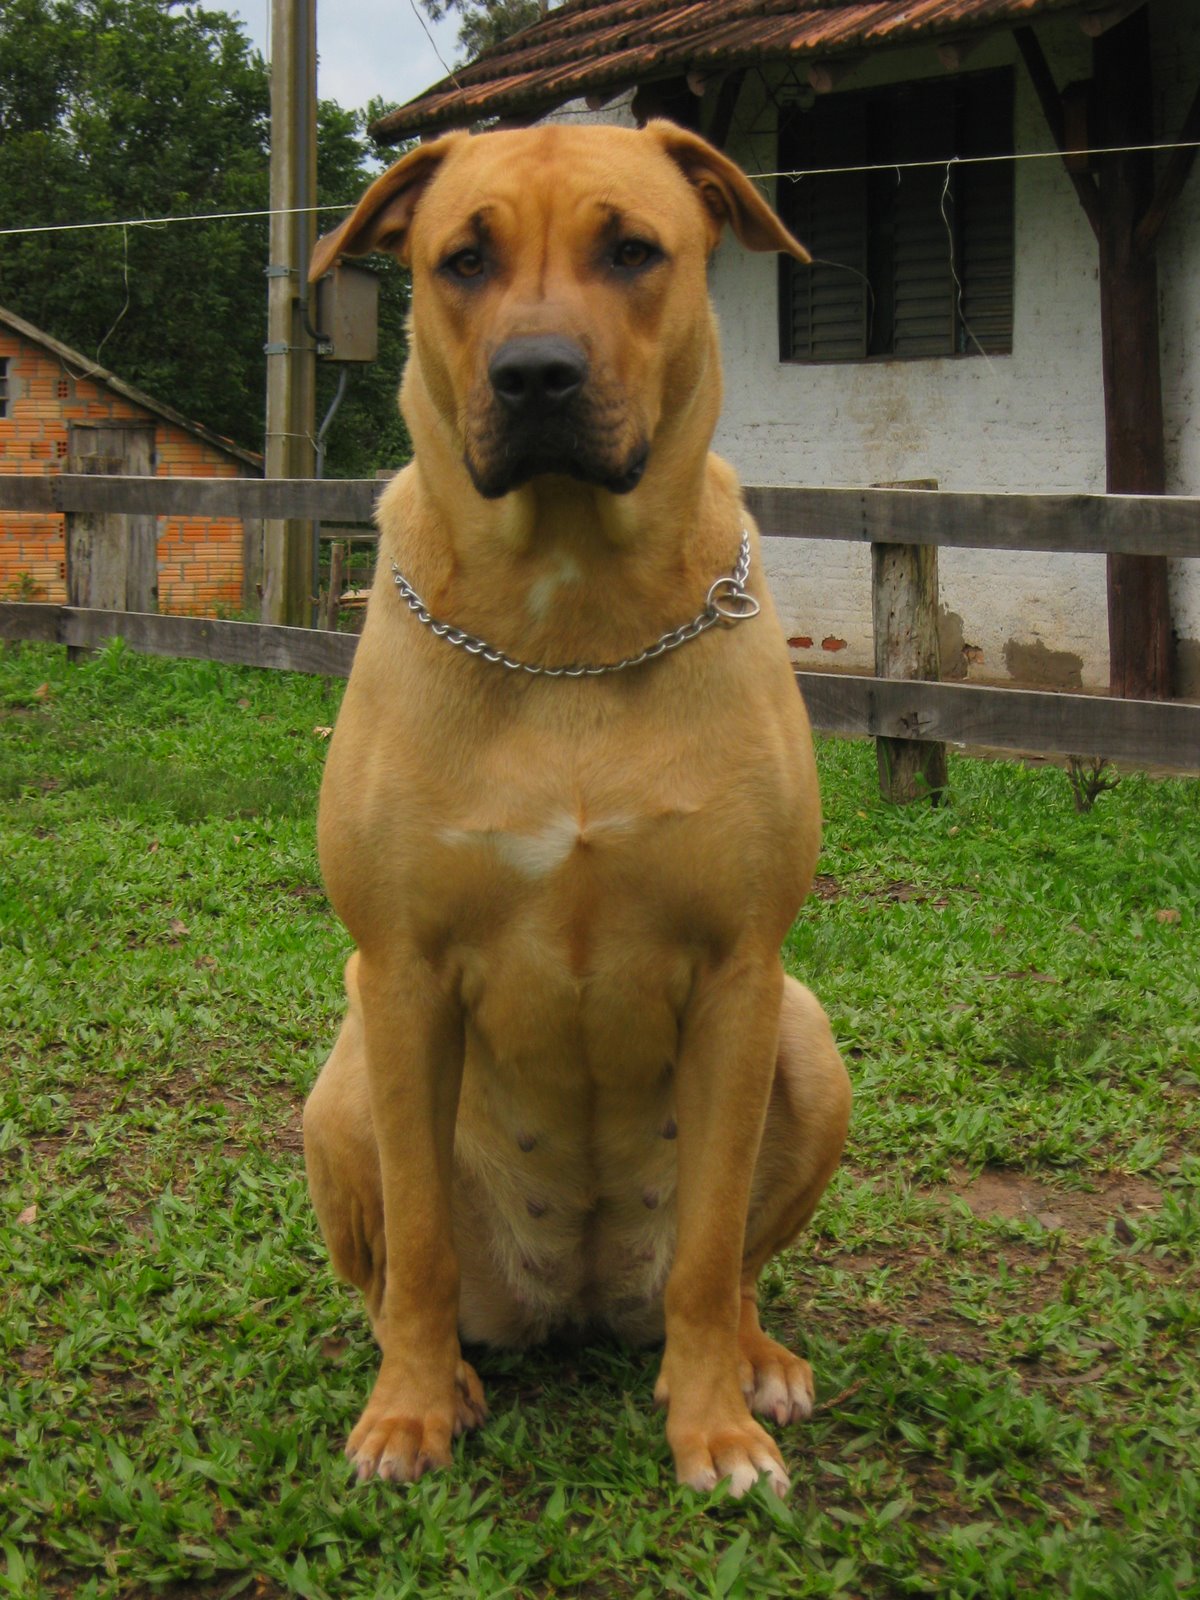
{"type": "Point", "coordinates": [1167, 525]}
{"type": "Point", "coordinates": [1166, 733]}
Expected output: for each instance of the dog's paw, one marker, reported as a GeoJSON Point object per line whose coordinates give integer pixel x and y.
{"type": "Point", "coordinates": [403, 1442]}
{"type": "Point", "coordinates": [739, 1455]}
{"type": "Point", "coordinates": [776, 1383]}
{"type": "Point", "coordinates": [470, 1407]}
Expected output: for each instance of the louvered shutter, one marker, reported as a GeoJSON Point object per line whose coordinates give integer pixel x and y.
{"type": "Point", "coordinates": [825, 306]}
{"type": "Point", "coordinates": [923, 293]}
{"type": "Point", "coordinates": [986, 212]}
{"type": "Point", "coordinates": [935, 241]}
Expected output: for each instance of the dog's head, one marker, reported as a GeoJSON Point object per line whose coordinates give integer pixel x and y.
{"type": "Point", "coordinates": [561, 318]}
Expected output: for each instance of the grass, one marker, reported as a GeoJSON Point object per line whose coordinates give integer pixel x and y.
{"type": "Point", "coordinates": [999, 1293]}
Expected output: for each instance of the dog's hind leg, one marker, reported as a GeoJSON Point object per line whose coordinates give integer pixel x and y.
{"type": "Point", "coordinates": [342, 1158]}
{"type": "Point", "coordinates": [807, 1119]}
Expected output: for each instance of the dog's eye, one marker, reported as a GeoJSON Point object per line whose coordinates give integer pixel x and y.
{"type": "Point", "coordinates": [464, 264]}
{"type": "Point", "coordinates": [631, 254]}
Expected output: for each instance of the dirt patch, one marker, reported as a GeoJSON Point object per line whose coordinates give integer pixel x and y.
{"type": "Point", "coordinates": [997, 1193]}
{"type": "Point", "coordinates": [1046, 669]}
{"type": "Point", "coordinates": [895, 892]}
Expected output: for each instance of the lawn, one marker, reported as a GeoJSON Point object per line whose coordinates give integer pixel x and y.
{"type": "Point", "coordinates": [999, 1294]}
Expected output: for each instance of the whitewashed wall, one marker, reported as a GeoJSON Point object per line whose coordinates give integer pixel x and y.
{"type": "Point", "coordinates": [1030, 421]}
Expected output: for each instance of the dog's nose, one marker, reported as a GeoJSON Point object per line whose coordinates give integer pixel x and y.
{"type": "Point", "coordinates": [537, 373]}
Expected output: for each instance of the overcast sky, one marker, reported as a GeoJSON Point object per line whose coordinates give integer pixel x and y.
{"type": "Point", "coordinates": [364, 47]}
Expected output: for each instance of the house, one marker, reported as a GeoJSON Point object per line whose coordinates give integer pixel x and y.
{"type": "Point", "coordinates": [995, 305]}
{"type": "Point", "coordinates": [50, 398]}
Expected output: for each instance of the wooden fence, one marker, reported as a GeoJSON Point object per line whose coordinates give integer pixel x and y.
{"type": "Point", "coordinates": [886, 708]}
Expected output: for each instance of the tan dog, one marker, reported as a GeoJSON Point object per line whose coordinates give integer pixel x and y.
{"type": "Point", "coordinates": [573, 1088]}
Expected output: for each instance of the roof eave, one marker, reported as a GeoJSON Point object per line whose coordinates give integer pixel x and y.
{"type": "Point", "coordinates": [458, 101]}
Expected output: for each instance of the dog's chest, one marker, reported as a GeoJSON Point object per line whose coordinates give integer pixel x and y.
{"type": "Point", "coordinates": [572, 1002]}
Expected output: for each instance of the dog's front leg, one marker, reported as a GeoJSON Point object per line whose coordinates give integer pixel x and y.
{"type": "Point", "coordinates": [728, 1046]}
{"type": "Point", "coordinates": [425, 1393]}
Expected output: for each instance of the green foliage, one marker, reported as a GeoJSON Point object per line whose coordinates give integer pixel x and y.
{"type": "Point", "coordinates": [484, 23]}
{"type": "Point", "coordinates": [116, 109]}
{"type": "Point", "coordinates": [1008, 1394]}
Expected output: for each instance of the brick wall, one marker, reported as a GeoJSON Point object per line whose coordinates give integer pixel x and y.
{"type": "Point", "coordinates": [199, 559]}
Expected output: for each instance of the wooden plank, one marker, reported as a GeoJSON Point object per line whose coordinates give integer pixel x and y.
{"type": "Point", "coordinates": [1166, 525]}
{"type": "Point", "coordinates": [351, 499]}
{"type": "Point", "coordinates": [250, 644]}
{"type": "Point", "coordinates": [1142, 731]}
{"type": "Point", "coordinates": [1007, 719]}
{"type": "Point", "coordinates": [1052, 108]}
{"type": "Point", "coordinates": [904, 605]}
{"type": "Point", "coordinates": [111, 558]}
{"type": "Point", "coordinates": [1103, 524]}
{"type": "Point", "coordinates": [37, 492]}
{"type": "Point", "coordinates": [1140, 642]}
{"type": "Point", "coordinates": [34, 621]}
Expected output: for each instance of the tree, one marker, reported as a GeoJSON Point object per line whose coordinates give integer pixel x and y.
{"type": "Point", "coordinates": [129, 109]}
{"type": "Point", "coordinates": [484, 23]}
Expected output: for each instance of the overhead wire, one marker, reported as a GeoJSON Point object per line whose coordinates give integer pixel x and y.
{"type": "Point", "coordinates": [795, 174]}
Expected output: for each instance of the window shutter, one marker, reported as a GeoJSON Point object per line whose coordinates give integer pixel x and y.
{"type": "Point", "coordinates": [915, 256]}
{"type": "Point", "coordinates": [827, 306]}
{"type": "Point", "coordinates": [986, 269]}
{"type": "Point", "coordinates": [986, 203]}
{"type": "Point", "coordinates": [923, 291]}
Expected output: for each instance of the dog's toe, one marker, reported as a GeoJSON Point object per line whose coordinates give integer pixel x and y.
{"type": "Point", "coordinates": [738, 1457]}
{"type": "Point", "coordinates": [776, 1383]}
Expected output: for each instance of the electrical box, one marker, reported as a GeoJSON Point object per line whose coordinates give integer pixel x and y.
{"type": "Point", "coordinates": [347, 316]}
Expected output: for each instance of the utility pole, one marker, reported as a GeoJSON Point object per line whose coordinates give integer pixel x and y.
{"type": "Point", "coordinates": [291, 352]}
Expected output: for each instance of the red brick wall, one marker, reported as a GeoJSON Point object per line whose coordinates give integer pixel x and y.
{"type": "Point", "coordinates": [199, 559]}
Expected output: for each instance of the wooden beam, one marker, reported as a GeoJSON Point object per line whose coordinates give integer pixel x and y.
{"type": "Point", "coordinates": [721, 121]}
{"type": "Point", "coordinates": [1097, 21]}
{"type": "Point", "coordinates": [904, 604]}
{"type": "Point", "coordinates": [1140, 639]}
{"type": "Point", "coordinates": [1079, 523]}
{"type": "Point", "coordinates": [955, 53]}
{"type": "Point", "coordinates": [1173, 179]}
{"type": "Point", "coordinates": [248, 644]}
{"type": "Point", "coordinates": [1148, 732]}
{"type": "Point", "coordinates": [1052, 107]}
{"type": "Point", "coordinates": [824, 76]}
{"type": "Point", "coordinates": [352, 499]}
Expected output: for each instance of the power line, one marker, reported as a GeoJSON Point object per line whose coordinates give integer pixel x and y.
{"type": "Point", "coordinates": [797, 173]}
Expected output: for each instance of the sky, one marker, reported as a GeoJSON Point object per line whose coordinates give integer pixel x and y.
{"type": "Point", "coordinates": [364, 47]}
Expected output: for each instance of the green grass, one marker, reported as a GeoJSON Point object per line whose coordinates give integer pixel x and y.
{"type": "Point", "coordinates": [999, 1293]}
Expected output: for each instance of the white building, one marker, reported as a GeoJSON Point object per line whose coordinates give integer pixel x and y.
{"type": "Point", "coordinates": [957, 335]}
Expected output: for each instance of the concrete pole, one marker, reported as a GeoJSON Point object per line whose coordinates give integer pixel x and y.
{"type": "Point", "coordinates": [291, 353]}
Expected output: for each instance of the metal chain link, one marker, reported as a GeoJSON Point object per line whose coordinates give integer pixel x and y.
{"type": "Point", "coordinates": [727, 600]}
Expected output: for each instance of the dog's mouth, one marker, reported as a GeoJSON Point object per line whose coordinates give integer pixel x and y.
{"type": "Point", "coordinates": [507, 470]}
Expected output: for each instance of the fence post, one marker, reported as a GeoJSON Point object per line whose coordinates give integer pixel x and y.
{"type": "Point", "coordinates": [111, 558]}
{"type": "Point", "coordinates": [337, 577]}
{"type": "Point", "coordinates": [904, 604]}
{"type": "Point", "coordinates": [252, 565]}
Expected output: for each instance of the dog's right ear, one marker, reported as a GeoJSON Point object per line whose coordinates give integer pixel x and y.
{"type": "Point", "coordinates": [381, 219]}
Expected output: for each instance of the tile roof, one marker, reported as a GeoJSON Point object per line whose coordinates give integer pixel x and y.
{"type": "Point", "coordinates": [79, 366]}
{"type": "Point", "coordinates": [603, 46]}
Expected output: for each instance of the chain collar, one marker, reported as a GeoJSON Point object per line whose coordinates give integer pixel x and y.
{"type": "Point", "coordinates": [728, 600]}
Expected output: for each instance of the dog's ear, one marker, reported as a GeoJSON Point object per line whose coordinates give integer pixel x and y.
{"type": "Point", "coordinates": [726, 192]}
{"type": "Point", "coordinates": [381, 219]}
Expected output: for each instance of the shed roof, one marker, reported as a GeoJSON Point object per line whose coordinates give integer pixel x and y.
{"type": "Point", "coordinates": [599, 47]}
{"type": "Point", "coordinates": [79, 366]}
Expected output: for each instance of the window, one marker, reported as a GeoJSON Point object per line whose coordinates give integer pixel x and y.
{"type": "Point", "coordinates": [4, 395]}
{"type": "Point", "coordinates": [914, 261]}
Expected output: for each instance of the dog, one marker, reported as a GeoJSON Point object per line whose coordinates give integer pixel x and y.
{"type": "Point", "coordinates": [568, 815]}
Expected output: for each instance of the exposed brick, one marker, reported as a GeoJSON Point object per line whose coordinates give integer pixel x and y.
{"type": "Point", "coordinates": [35, 436]}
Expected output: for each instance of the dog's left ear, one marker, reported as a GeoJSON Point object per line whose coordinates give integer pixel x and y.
{"type": "Point", "coordinates": [381, 219]}
{"type": "Point", "coordinates": [727, 194]}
